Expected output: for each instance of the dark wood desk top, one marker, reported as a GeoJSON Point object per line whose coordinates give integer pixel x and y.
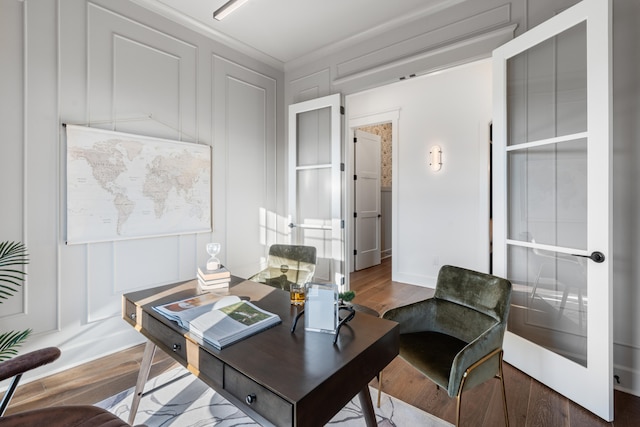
{"type": "Point", "coordinates": [305, 368]}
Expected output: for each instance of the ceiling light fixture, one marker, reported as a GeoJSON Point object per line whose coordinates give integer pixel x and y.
{"type": "Point", "coordinates": [227, 8]}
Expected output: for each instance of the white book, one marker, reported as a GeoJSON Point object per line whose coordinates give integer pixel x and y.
{"type": "Point", "coordinates": [212, 285]}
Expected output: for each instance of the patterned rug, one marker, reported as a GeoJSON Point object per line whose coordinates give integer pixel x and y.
{"type": "Point", "coordinates": [188, 402]}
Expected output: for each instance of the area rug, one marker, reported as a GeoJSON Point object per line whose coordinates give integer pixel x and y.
{"type": "Point", "coordinates": [188, 402]}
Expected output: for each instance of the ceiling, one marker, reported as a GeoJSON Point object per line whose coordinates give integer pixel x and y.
{"type": "Point", "coordinates": [281, 31]}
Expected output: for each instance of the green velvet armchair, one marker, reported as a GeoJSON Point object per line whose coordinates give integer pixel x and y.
{"type": "Point", "coordinates": [455, 338]}
{"type": "Point", "coordinates": [288, 264]}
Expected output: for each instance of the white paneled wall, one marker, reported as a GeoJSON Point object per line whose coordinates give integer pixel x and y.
{"type": "Point", "coordinates": [245, 102]}
{"type": "Point", "coordinates": [113, 65]}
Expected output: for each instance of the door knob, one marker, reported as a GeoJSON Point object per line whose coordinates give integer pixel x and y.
{"type": "Point", "coordinates": [595, 256]}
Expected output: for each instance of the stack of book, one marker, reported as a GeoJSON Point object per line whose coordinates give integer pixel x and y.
{"type": "Point", "coordinates": [213, 279]}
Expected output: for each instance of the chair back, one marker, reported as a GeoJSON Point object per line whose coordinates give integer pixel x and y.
{"type": "Point", "coordinates": [297, 262]}
{"type": "Point", "coordinates": [482, 292]}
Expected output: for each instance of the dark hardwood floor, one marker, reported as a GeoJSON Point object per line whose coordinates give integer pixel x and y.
{"type": "Point", "coordinates": [530, 403]}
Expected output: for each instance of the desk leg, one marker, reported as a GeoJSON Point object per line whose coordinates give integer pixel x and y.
{"type": "Point", "coordinates": [143, 375]}
{"type": "Point", "coordinates": [367, 407]}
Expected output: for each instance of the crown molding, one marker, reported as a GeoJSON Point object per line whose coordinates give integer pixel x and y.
{"type": "Point", "coordinates": [201, 28]}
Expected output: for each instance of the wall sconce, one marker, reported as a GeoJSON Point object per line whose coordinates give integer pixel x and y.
{"type": "Point", "coordinates": [435, 158]}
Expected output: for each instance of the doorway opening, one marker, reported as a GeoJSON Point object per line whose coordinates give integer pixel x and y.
{"type": "Point", "coordinates": [371, 197]}
{"type": "Point", "coordinates": [384, 126]}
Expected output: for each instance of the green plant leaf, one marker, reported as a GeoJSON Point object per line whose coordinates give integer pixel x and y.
{"type": "Point", "coordinates": [10, 341]}
{"type": "Point", "coordinates": [347, 296]}
{"type": "Point", "coordinates": [12, 254]}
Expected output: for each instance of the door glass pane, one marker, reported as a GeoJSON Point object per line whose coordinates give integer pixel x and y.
{"type": "Point", "coordinates": [549, 300]}
{"type": "Point", "coordinates": [547, 193]}
{"type": "Point", "coordinates": [547, 188]}
{"type": "Point", "coordinates": [314, 216]}
{"type": "Point", "coordinates": [314, 137]}
{"type": "Point", "coordinates": [314, 197]}
{"type": "Point", "coordinates": [547, 88]}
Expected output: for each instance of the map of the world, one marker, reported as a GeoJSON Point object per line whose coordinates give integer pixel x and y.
{"type": "Point", "coordinates": [123, 186]}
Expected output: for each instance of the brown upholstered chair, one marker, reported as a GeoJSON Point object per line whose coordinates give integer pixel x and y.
{"type": "Point", "coordinates": [455, 338]}
{"type": "Point", "coordinates": [60, 416]}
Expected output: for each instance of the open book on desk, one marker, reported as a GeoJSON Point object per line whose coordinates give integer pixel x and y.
{"type": "Point", "coordinates": [218, 321]}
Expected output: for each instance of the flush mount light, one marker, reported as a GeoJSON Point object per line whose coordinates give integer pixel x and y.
{"type": "Point", "coordinates": [226, 9]}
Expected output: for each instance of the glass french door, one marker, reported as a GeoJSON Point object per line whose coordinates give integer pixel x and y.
{"type": "Point", "coordinates": [315, 183]}
{"type": "Point", "coordinates": [552, 202]}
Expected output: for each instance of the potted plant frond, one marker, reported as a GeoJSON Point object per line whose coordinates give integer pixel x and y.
{"type": "Point", "coordinates": [13, 256]}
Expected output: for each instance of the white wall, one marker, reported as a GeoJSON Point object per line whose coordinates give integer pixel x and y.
{"type": "Point", "coordinates": [112, 64]}
{"type": "Point", "coordinates": [440, 217]}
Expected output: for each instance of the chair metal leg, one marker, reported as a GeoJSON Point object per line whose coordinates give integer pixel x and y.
{"type": "Point", "coordinates": [499, 375]}
{"type": "Point", "coordinates": [379, 386]}
{"type": "Point", "coordinates": [8, 394]}
{"type": "Point", "coordinates": [504, 394]}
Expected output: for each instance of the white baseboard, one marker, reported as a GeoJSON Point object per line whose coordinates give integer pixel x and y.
{"type": "Point", "coordinates": [626, 379]}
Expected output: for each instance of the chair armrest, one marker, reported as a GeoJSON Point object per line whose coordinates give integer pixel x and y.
{"type": "Point", "coordinates": [473, 352]}
{"type": "Point", "coordinates": [415, 317]}
{"type": "Point", "coordinates": [25, 362]}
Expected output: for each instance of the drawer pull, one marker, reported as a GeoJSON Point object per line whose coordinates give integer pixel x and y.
{"type": "Point", "coordinates": [251, 398]}
{"type": "Point", "coordinates": [132, 316]}
{"type": "Point", "coordinates": [177, 347]}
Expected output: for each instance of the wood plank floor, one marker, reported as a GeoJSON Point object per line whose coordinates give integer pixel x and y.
{"type": "Point", "coordinates": [530, 403]}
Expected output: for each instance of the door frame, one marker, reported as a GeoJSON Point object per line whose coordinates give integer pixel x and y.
{"type": "Point", "coordinates": [387, 116]}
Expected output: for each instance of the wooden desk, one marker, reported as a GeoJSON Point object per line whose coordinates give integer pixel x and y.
{"type": "Point", "coordinates": [276, 377]}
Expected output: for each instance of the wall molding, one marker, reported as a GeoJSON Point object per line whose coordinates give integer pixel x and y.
{"type": "Point", "coordinates": [467, 50]}
{"type": "Point", "coordinates": [468, 28]}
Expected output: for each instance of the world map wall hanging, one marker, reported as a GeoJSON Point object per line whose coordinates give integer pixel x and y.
{"type": "Point", "coordinates": [125, 186]}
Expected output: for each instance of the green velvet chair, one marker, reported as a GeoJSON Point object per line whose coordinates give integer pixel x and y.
{"type": "Point", "coordinates": [288, 264]}
{"type": "Point", "coordinates": [455, 338]}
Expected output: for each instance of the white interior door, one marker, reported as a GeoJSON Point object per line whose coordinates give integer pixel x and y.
{"type": "Point", "coordinates": [315, 183]}
{"type": "Point", "coordinates": [552, 195]}
{"type": "Point", "coordinates": [367, 200]}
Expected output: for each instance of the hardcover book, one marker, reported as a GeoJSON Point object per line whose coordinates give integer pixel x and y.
{"type": "Point", "coordinates": [218, 321]}
{"type": "Point", "coordinates": [220, 273]}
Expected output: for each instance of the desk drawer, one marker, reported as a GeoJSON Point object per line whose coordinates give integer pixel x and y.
{"type": "Point", "coordinates": [166, 338]}
{"type": "Point", "coordinates": [264, 402]}
{"type": "Point", "coordinates": [129, 313]}
{"type": "Point", "coordinates": [211, 368]}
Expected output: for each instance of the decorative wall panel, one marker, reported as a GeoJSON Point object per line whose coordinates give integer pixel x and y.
{"type": "Point", "coordinates": [245, 103]}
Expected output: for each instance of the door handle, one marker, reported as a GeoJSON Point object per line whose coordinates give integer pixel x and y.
{"type": "Point", "coordinates": [291, 225]}
{"type": "Point", "coordinates": [595, 256]}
